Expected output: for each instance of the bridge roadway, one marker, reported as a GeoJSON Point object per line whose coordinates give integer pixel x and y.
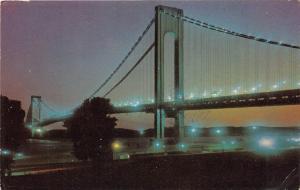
{"type": "Point", "coordinates": [276, 98]}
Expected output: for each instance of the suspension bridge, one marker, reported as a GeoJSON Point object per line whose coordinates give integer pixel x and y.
{"type": "Point", "coordinates": [181, 63]}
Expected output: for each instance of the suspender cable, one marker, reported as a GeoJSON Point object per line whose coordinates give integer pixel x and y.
{"type": "Point", "coordinates": [127, 74]}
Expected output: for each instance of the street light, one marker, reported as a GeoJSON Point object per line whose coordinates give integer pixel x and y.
{"type": "Point", "coordinates": [266, 142]}
{"type": "Point", "coordinates": [157, 145]}
{"type": "Point", "coordinates": [182, 146]}
{"type": "Point", "coordinates": [116, 146]}
{"type": "Point", "coordinates": [218, 131]}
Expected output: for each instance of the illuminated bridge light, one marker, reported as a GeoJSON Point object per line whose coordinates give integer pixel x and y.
{"type": "Point", "coordinates": [137, 103]}
{"type": "Point", "coordinates": [151, 100]}
{"type": "Point", "coordinates": [275, 86]}
{"type": "Point", "coordinates": [192, 96]}
{"type": "Point", "coordinates": [254, 127]}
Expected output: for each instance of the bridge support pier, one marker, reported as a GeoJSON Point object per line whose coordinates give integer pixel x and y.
{"type": "Point", "coordinates": [34, 113]}
{"type": "Point", "coordinates": [168, 20]}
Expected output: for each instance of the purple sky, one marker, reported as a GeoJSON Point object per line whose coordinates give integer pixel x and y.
{"type": "Point", "coordinates": [63, 50]}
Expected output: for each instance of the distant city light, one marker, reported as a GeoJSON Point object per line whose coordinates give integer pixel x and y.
{"type": "Point", "coordinates": [236, 90]}
{"type": "Point", "coordinates": [125, 156]}
{"type": "Point", "coordinates": [5, 152]}
{"type": "Point", "coordinates": [19, 154]}
{"type": "Point", "coordinates": [141, 131]}
{"type": "Point", "coordinates": [294, 139]}
{"type": "Point", "coordinates": [135, 104]}
{"type": "Point", "coordinates": [192, 96]}
{"type": "Point", "coordinates": [266, 142]}
{"type": "Point", "coordinates": [39, 130]}
{"type": "Point", "coordinates": [275, 86]}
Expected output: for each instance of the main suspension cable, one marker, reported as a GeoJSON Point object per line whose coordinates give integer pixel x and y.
{"type": "Point", "coordinates": [124, 59]}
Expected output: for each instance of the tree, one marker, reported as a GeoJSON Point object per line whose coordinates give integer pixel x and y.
{"type": "Point", "coordinates": [13, 131]}
{"type": "Point", "coordinates": [91, 129]}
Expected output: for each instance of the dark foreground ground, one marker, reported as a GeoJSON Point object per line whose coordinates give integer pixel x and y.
{"type": "Point", "coordinates": [210, 171]}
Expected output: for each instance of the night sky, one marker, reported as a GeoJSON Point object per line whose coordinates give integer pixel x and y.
{"type": "Point", "coordinates": [63, 50]}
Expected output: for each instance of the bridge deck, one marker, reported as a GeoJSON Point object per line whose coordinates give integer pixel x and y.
{"type": "Point", "coordinates": [286, 97]}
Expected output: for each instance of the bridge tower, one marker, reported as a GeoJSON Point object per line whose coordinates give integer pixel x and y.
{"type": "Point", "coordinates": [34, 112]}
{"type": "Point", "coordinates": [168, 20]}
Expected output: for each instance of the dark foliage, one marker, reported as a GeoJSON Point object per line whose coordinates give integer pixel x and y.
{"type": "Point", "coordinates": [13, 131]}
{"type": "Point", "coordinates": [126, 133]}
{"type": "Point", "coordinates": [91, 129]}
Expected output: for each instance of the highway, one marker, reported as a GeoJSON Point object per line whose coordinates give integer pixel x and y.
{"type": "Point", "coordinates": [45, 156]}
{"type": "Point", "coordinates": [37, 156]}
